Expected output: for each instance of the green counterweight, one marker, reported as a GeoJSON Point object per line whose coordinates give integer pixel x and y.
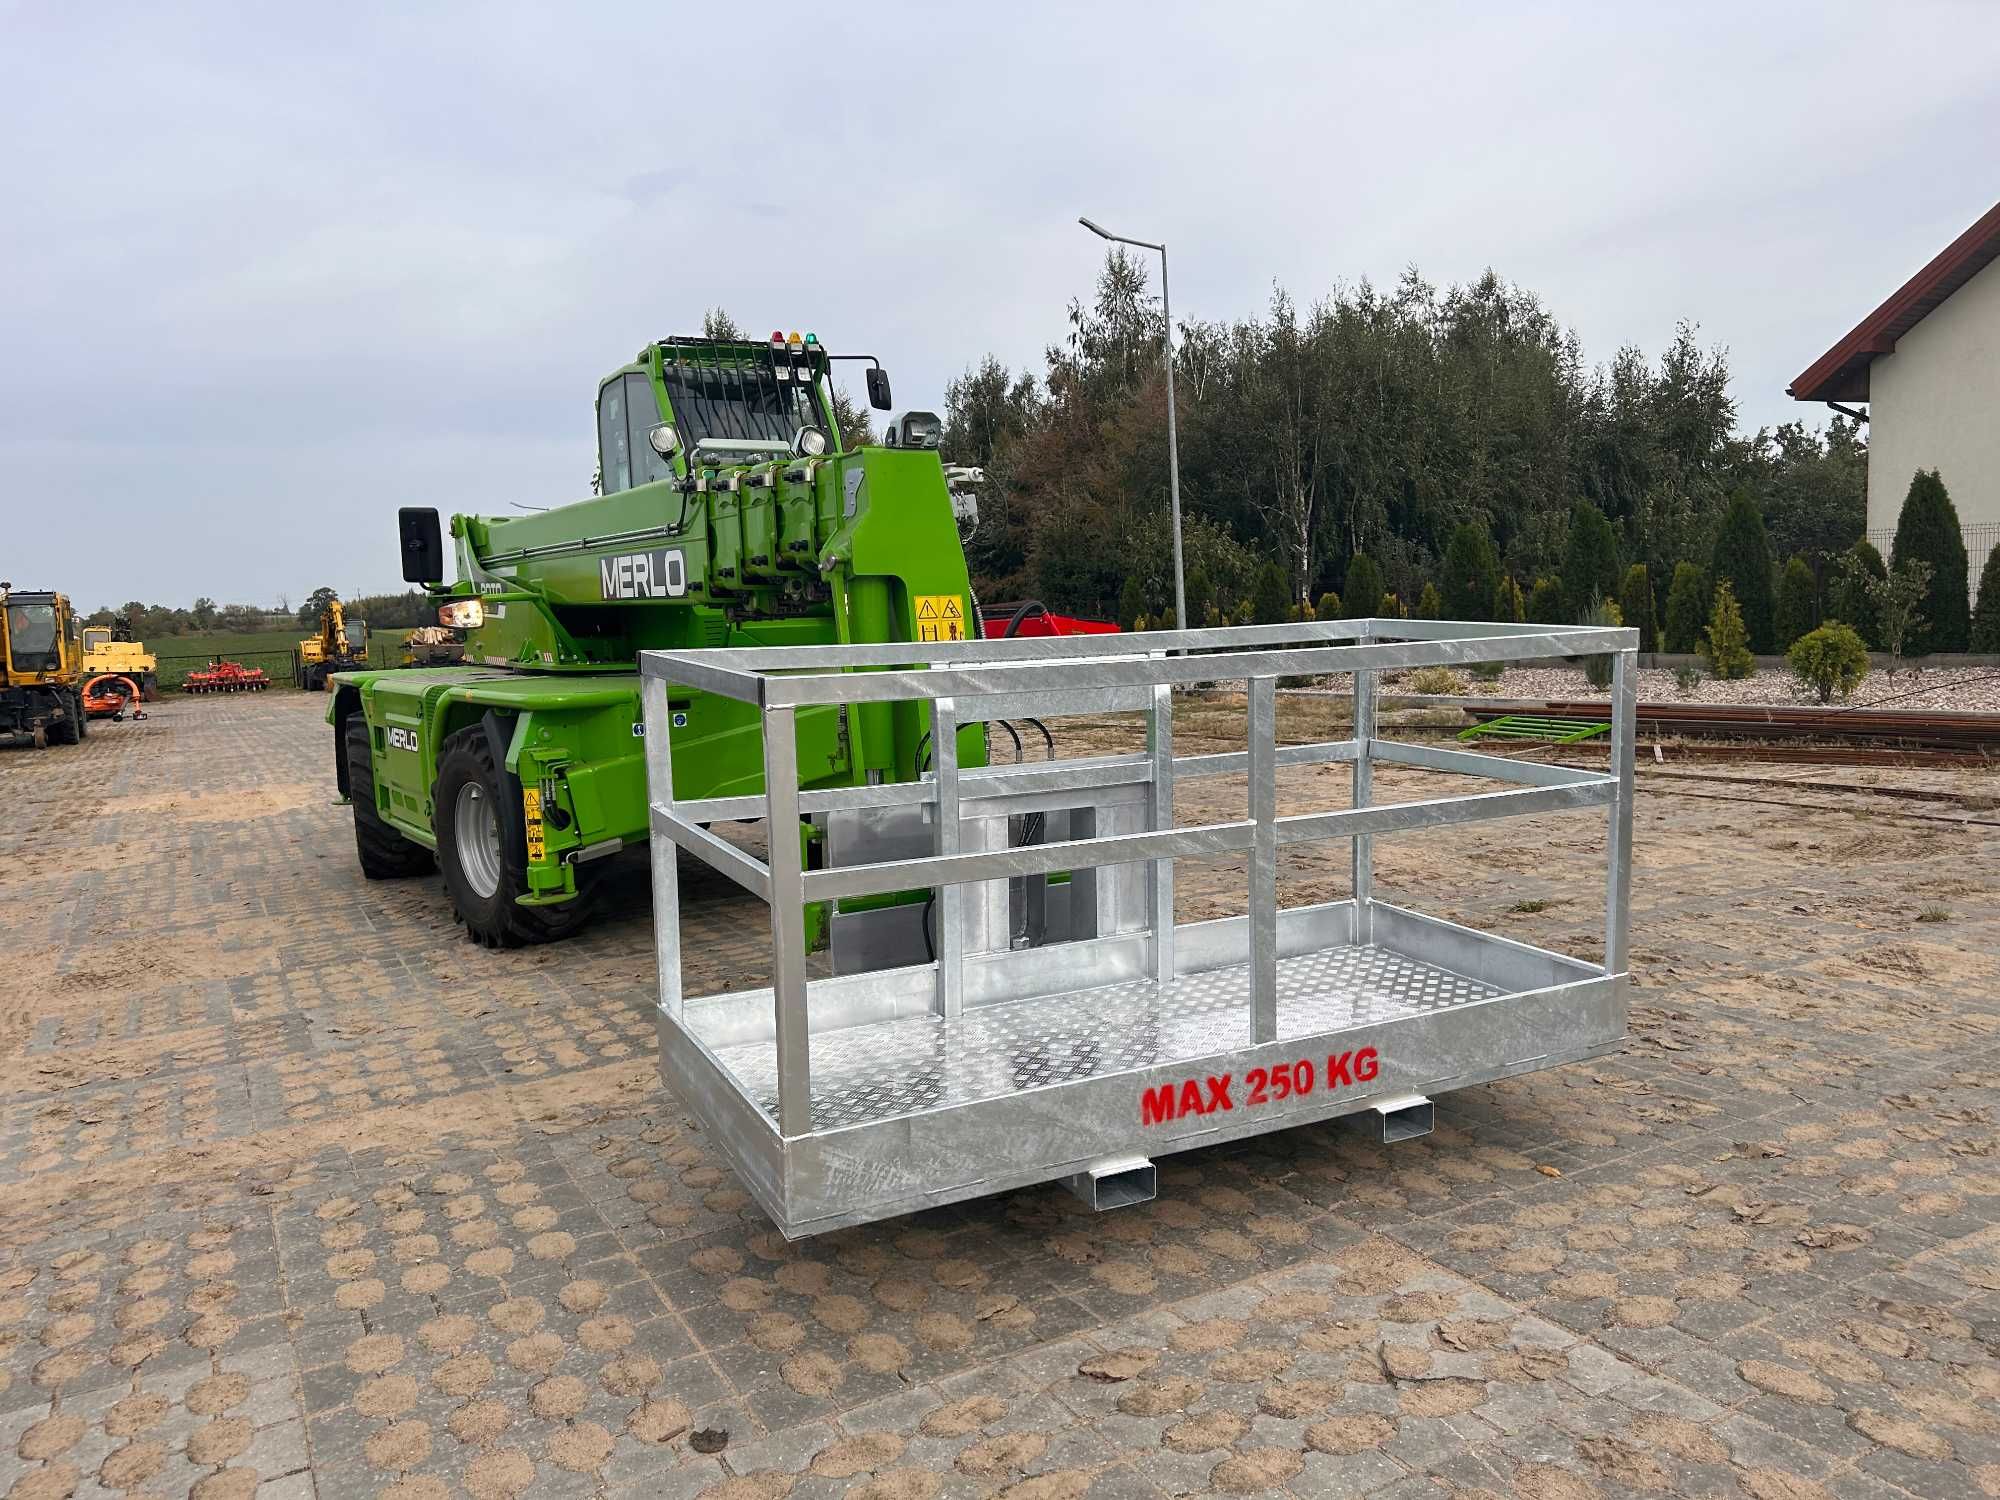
{"type": "Point", "coordinates": [730, 514]}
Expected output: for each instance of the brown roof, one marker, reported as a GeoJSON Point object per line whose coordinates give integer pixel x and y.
{"type": "Point", "coordinates": [1841, 374]}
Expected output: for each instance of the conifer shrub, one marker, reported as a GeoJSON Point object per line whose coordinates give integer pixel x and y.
{"type": "Point", "coordinates": [1798, 602]}
{"type": "Point", "coordinates": [1687, 608]}
{"type": "Point", "coordinates": [1635, 602]}
{"type": "Point", "coordinates": [1927, 531]}
{"type": "Point", "coordinates": [1725, 645]}
{"type": "Point", "coordinates": [1742, 559]}
{"type": "Point", "coordinates": [1363, 593]}
{"type": "Point", "coordinates": [1829, 661]}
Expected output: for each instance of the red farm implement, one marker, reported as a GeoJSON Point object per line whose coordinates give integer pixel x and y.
{"type": "Point", "coordinates": [1004, 621]}
{"type": "Point", "coordinates": [226, 677]}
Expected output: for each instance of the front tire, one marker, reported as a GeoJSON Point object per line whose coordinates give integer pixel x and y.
{"type": "Point", "coordinates": [482, 852]}
{"type": "Point", "coordinates": [70, 730]}
{"type": "Point", "coordinates": [385, 854]}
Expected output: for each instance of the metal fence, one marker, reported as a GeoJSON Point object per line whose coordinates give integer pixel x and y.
{"type": "Point", "coordinates": [384, 650]}
{"type": "Point", "coordinates": [1980, 540]}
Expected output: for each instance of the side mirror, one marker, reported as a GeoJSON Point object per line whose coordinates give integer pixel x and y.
{"type": "Point", "coordinates": [878, 388]}
{"type": "Point", "coordinates": [666, 442]}
{"type": "Point", "coordinates": [422, 542]}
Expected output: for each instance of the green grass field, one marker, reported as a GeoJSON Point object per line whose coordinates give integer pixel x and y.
{"type": "Point", "coordinates": [230, 643]}
{"type": "Point", "coordinates": [270, 649]}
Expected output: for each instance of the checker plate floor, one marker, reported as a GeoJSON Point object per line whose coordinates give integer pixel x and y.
{"type": "Point", "coordinates": [880, 1071]}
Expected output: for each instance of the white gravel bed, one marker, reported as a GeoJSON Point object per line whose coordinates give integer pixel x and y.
{"type": "Point", "coordinates": [1956, 689]}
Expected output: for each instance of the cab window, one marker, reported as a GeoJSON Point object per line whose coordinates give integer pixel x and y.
{"type": "Point", "coordinates": [642, 409]}
{"type": "Point", "coordinates": [31, 637]}
{"type": "Point", "coordinates": [613, 438]}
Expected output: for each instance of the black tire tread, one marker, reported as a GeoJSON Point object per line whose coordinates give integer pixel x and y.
{"type": "Point", "coordinates": [68, 732]}
{"type": "Point", "coordinates": [384, 853]}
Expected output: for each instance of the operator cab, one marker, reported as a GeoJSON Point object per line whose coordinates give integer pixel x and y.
{"type": "Point", "coordinates": [726, 402]}
{"type": "Point", "coordinates": [33, 636]}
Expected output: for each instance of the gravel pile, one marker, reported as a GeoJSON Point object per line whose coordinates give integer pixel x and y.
{"type": "Point", "coordinates": [1957, 689]}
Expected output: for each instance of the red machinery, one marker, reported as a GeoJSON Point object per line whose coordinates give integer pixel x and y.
{"type": "Point", "coordinates": [227, 677]}
{"type": "Point", "coordinates": [999, 621]}
{"type": "Point", "coordinates": [109, 695]}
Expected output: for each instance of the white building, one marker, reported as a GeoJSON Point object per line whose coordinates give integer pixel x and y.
{"type": "Point", "coordinates": [1927, 362]}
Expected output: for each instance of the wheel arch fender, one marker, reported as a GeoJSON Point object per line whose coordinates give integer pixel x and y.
{"type": "Point", "coordinates": [346, 704]}
{"type": "Point", "coordinates": [500, 741]}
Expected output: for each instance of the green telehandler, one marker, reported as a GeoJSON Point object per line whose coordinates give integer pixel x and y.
{"type": "Point", "coordinates": [731, 512]}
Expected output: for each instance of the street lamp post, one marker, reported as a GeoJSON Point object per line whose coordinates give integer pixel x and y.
{"type": "Point", "coordinates": [1173, 438]}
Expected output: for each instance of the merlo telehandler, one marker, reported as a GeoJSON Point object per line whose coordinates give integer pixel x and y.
{"type": "Point", "coordinates": [732, 511]}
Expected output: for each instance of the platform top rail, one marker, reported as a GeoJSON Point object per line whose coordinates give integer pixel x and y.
{"type": "Point", "coordinates": [785, 676]}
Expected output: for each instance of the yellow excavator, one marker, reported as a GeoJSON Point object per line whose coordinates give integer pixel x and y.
{"type": "Point", "coordinates": [110, 651]}
{"type": "Point", "coordinates": [41, 668]}
{"type": "Point", "coordinates": [340, 645]}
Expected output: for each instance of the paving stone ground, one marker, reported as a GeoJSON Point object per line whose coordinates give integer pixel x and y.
{"type": "Point", "coordinates": [300, 1194]}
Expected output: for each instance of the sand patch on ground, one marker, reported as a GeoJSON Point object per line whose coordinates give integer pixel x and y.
{"type": "Point", "coordinates": [211, 806]}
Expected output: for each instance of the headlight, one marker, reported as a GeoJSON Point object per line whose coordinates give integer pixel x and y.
{"type": "Point", "coordinates": [462, 614]}
{"type": "Point", "coordinates": [664, 439]}
{"type": "Point", "coordinates": [917, 429]}
{"type": "Point", "coordinates": [810, 443]}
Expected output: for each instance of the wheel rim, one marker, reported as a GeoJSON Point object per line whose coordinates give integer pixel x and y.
{"type": "Point", "coordinates": [478, 839]}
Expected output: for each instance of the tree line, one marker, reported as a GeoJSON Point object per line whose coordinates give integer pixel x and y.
{"type": "Point", "coordinates": [400, 611]}
{"type": "Point", "coordinates": [1374, 445]}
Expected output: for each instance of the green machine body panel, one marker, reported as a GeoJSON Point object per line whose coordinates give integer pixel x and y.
{"type": "Point", "coordinates": [713, 545]}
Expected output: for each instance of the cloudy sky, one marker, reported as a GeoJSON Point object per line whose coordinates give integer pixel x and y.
{"type": "Point", "coordinates": [273, 271]}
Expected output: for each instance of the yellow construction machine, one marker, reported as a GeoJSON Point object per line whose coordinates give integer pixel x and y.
{"type": "Point", "coordinates": [41, 668]}
{"type": "Point", "coordinates": [110, 651]}
{"type": "Point", "coordinates": [339, 646]}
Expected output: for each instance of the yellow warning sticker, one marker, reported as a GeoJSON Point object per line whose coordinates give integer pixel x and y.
{"type": "Point", "coordinates": [531, 804]}
{"type": "Point", "coordinates": [940, 617]}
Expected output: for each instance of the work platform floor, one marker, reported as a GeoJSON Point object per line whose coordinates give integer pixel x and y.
{"type": "Point", "coordinates": [300, 1194]}
{"type": "Point", "coordinates": [874, 1072]}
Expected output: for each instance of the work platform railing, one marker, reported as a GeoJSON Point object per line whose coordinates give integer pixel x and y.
{"type": "Point", "coordinates": [858, 1095]}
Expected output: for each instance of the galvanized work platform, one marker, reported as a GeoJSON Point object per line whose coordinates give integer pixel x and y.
{"type": "Point", "coordinates": [1000, 1062]}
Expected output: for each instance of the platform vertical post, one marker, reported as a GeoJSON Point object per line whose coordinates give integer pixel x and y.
{"type": "Point", "coordinates": [657, 717]}
{"type": "Point", "coordinates": [1618, 840]}
{"type": "Point", "coordinates": [788, 922]}
{"type": "Point", "coordinates": [1364, 792]}
{"type": "Point", "coordinates": [1263, 748]}
{"type": "Point", "coordinates": [1160, 806]}
{"type": "Point", "coordinates": [950, 898]}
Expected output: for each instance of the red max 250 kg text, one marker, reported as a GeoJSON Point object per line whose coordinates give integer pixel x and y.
{"type": "Point", "coordinates": [1214, 1094]}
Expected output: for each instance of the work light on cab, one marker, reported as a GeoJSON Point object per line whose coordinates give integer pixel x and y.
{"type": "Point", "coordinates": [810, 442]}
{"type": "Point", "coordinates": [462, 614]}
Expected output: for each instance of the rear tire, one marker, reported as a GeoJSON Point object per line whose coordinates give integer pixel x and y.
{"type": "Point", "coordinates": [385, 854]}
{"type": "Point", "coordinates": [70, 730]}
{"type": "Point", "coordinates": [488, 868]}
